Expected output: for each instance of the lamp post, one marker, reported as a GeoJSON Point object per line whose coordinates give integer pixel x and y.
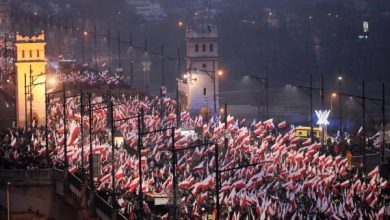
{"type": "Point", "coordinates": [263, 81]}
{"type": "Point", "coordinates": [334, 95]}
{"type": "Point", "coordinates": [8, 203]}
{"type": "Point", "coordinates": [340, 78]}
{"type": "Point", "coordinates": [30, 87]}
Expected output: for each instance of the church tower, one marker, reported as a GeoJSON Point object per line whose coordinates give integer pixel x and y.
{"type": "Point", "coordinates": [30, 79]}
{"type": "Point", "coordinates": [200, 88]}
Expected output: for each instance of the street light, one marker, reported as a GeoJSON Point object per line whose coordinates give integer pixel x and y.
{"type": "Point", "coordinates": [180, 24]}
{"type": "Point", "coordinates": [340, 78]}
{"type": "Point", "coordinates": [334, 95]}
{"type": "Point", "coordinates": [52, 81]}
{"type": "Point", "coordinates": [263, 82]}
{"type": "Point", "coordinates": [8, 203]}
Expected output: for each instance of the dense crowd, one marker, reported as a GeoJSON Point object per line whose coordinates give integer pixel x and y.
{"type": "Point", "coordinates": [295, 178]}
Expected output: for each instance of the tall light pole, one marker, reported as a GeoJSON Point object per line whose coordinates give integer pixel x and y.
{"type": "Point", "coordinates": [8, 203]}
{"type": "Point", "coordinates": [215, 97]}
{"type": "Point", "coordinates": [340, 78]}
{"type": "Point", "coordinates": [263, 81]}
{"type": "Point", "coordinates": [331, 100]}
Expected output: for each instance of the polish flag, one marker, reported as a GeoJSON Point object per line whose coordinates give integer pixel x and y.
{"type": "Point", "coordinates": [198, 168]}
{"type": "Point", "coordinates": [73, 169]}
{"type": "Point", "coordinates": [165, 217]}
{"type": "Point", "coordinates": [74, 132]}
{"type": "Point", "coordinates": [205, 129]}
{"type": "Point", "coordinates": [269, 123]}
{"type": "Point", "coordinates": [282, 125]}
{"type": "Point", "coordinates": [360, 132]}
{"type": "Point", "coordinates": [344, 184]}
{"type": "Point", "coordinates": [384, 185]}
{"type": "Point", "coordinates": [119, 174]}
{"type": "Point", "coordinates": [373, 172]}
{"type": "Point", "coordinates": [268, 138]}
{"type": "Point", "coordinates": [307, 142]}
{"type": "Point", "coordinates": [230, 120]}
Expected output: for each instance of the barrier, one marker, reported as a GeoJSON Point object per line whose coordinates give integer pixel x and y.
{"type": "Point", "coordinates": [75, 186]}
{"type": "Point", "coordinates": [38, 176]}
{"type": "Point", "coordinates": [103, 209]}
{"type": "Point", "coordinates": [372, 160]}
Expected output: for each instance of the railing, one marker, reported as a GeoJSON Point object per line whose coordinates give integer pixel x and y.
{"type": "Point", "coordinates": [372, 160]}
{"type": "Point", "coordinates": [120, 216]}
{"type": "Point", "coordinates": [75, 186]}
{"type": "Point", "coordinates": [103, 209]}
{"type": "Point", "coordinates": [75, 181]}
{"type": "Point", "coordinates": [38, 176]}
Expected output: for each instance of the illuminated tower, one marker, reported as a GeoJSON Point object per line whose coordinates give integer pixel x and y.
{"type": "Point", "coordinates": [202, 66]}
{"type": "Point", "coordinates": [30, 69]}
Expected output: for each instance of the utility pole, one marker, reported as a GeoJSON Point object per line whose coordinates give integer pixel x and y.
{"type": "Point", "coordinates": [311, 110]}
{"type": "Point", "coordinates": [340, 106]}
{"type": "Point", "coordinates": [364, 127]}
{"type": "Point", "coordinates": [174, 162]}
{"type": "Point", "coordinates": [178, 111]}
{"type": "Point", "coordinates": [266, 91]}
{"type": "Point", "coordinates": [131, 61]}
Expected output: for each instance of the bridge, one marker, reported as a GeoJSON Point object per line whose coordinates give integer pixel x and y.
{"type": "Point", "coordinates": [62, 195]}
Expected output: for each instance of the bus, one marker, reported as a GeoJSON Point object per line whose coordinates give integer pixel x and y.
{"type": "Point", "coordinates": [304, 132]}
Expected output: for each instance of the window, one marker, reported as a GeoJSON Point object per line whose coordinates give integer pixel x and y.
{"type": "Point", "coordinates": [196, 48]}
{"type": "Point", "coordinates": [37, 53]}
{"type": "Point", "coordinates": [30, 53]}
{"type": "Point", "coordinates": [204, 65]}
{"type": "Point", "coordinates": [204, 47]}
{"type": "Point", "coordinates": [211, 47]}
{"type": "Point", "coordinates": [22, 53]}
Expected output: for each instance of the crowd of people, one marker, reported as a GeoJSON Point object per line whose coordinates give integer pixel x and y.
{"type": "Point", "coordinates": [282, 176]}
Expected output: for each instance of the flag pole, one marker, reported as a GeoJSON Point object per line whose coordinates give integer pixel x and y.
{"type": "Point", "coordinates": [90, 112]}
{"type": "Point", "coordinates": [64, 121]}
{"type": "Point", "coordinates": [140, 130]}
{"type": "Point", "coordinates": [311, 110]}
{"type": "Point", "coordinates": [113, 195]}
{"type": "Point", "coordinates": [364, 126]}
{"type": "Point", "coordinates": [82, 133]}
{"type": "Point", "coordinates": [174, 162]}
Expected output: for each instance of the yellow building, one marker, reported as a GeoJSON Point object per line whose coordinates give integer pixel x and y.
{"type": "Point", "coordinates": [30, 67]}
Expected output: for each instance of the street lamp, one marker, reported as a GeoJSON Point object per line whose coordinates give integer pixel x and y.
{"type": "Point", "coordinates": [340, 78]}
{"type": "Point", "coordinates": [30, 87]}
{"type": "Point", "coordinates": [334, 95]}
{"type": "Point", "coordinates": [263, 81]}
{"type": "Point", "coordinates": [8, 203]}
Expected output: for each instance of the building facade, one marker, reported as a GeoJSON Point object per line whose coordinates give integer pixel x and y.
{"type": "Point", "coordinates": [200, 86]}
{"type": "Point", "coordinates": [30, 79]}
